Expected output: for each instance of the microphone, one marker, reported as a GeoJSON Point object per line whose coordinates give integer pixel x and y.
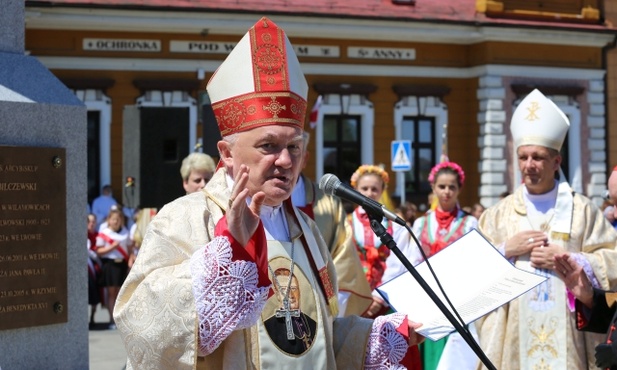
{"type": "Point", "coordinates": [331, 185]}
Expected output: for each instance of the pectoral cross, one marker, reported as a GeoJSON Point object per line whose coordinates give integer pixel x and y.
{"type": "Point", "coordinates": [287, 313]}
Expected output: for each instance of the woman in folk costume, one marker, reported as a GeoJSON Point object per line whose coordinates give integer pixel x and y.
{"type": "Point", "coordinates": [378, 263]}
{"type": "Point", "coordinates": [234, 276]}
{"type": "Point", "coordinates": [437, 229]}
{"type": "Point", "coordinates": [112, 245]}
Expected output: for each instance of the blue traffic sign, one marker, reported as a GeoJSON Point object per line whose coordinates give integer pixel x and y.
{"type": "Point", "coordinates": [401, 155]}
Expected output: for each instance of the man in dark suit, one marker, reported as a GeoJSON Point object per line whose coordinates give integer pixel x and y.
{"type": "Point", "coordinates": [596, 309]}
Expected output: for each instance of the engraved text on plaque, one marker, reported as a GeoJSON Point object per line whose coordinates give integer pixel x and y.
{"type": "Point", "coordinates": [33, 241]}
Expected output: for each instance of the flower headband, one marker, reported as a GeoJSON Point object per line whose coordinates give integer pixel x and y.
{"type": "Point", "coordinates": [451, 165]}
{"type": "Point", "coordinates": [369, 169]}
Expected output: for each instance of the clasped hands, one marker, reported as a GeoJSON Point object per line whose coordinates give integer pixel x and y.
{"type": "Point", "coordinates": [541, 252]}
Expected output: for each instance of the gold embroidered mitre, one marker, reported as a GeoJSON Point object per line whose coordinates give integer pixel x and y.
{"type": "Point", "coordinates": [538, 121]}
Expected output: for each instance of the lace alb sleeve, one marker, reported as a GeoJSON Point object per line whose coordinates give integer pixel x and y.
{"type": "Point", "coordinates": [226, 294]}
{"type": "Point", "coordinates": [386, 347]}
{"type": "Point", "coordinates": [591, 275]}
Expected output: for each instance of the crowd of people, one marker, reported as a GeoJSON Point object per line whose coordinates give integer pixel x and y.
{"type": "Point", "coordinates": [113, 243]}
{"type": "Point", "coordinates": [257, 268]}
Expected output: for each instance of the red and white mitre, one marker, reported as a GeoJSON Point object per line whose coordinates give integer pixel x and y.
{"type": "Point", "coordinates": [260, 83]}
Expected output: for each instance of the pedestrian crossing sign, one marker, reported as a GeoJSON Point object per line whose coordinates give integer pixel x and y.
{"type": "Point", "coordinates": [401, 155]}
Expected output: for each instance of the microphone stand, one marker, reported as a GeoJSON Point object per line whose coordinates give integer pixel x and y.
{"type": "Point", "coordinates": [388, 241]}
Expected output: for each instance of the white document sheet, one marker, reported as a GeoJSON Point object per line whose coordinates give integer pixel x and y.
{"type": "Point", "coordinates": [474, 275]}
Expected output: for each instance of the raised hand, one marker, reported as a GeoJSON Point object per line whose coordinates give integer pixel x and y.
{"type": "Point", "coordinates": [242, 218]}
{"type": "Point", "coordinates": [574, 278]}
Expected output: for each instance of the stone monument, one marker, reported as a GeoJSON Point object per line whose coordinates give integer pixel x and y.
{"type": "Point", "coordinates": [43, 270]}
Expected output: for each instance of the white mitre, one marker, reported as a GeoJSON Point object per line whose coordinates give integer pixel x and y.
{"type": "Point", "coordinates": [538, 121]}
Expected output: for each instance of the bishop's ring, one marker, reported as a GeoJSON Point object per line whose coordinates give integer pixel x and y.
{"type": "Point", "coordinates": [530, 240]}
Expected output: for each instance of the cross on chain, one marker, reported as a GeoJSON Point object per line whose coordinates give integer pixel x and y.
{"type": "Point", "coordinates": [287, 313]}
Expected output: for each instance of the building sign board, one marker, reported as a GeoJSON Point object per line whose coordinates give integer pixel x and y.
{"type": "Point", "coordinates": [204, 47]}
{"type": "Point", "coordinates": [324, 51]}
{"type": "Point", "coordinates": [217, 47]}
{"type": "Point", "coordinates": [135, 45]}
{"type": "Point", "coordinates": [359, 52]}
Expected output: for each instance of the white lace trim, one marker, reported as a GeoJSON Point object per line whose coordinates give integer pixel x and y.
{"type": "Point", "coordinates": [386, 347]}
{"type": "Point", "coordinates": [226, 294]}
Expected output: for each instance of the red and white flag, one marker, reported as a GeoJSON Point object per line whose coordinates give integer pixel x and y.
{"type": "Point", "coordinates": [315, 112]}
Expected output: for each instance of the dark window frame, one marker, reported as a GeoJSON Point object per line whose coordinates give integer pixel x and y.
{"type": "Point", "coordinates": [341, 146]}
{"type": "Point", "coordinates": [417, 187]}
{"type": "Point", "coordinates": [94, 154]}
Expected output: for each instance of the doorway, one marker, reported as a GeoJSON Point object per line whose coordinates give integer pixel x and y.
{"type": "Point", "coordinates": [164, 142]}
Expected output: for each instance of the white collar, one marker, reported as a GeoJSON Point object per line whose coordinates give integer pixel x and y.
{"type": "Point", "coordinates": [541, 203]}
{"type": "Point", "coordinates": [560, 199]}
{"type": "Point", "coordinates": [298, 196]}
{"type": "Point", "coordinates": [275, 223]}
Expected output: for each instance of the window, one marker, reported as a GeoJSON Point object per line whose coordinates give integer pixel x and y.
{"type": "Point", "coordinates": [343, 137]}
{"type": "Point", "coordinates": [423, 120]}
{"type": "Point", "coordinates": [99, 139]}
{"type": "Point", "coordinates": [421, 132]}
{"type": "Point", "coordinates": [173, 99]}
{"type": "Point", "coordinates": [571, 151]}
{"type": "Point", "coordinates": [565, 157]}
{"type": "Point", "coordinates": [341, 145]}
{"type": "Point", "coordinates": [94, 155]}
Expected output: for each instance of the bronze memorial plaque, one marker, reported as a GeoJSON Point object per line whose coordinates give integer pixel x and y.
{"type": "Point", "coordinates": [33, 248]}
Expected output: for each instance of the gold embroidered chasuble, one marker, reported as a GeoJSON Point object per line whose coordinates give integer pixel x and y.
{"type": "Point", "coordinates": [156, 313]}
{"type": "Point", "coordinates": [338, 237]}
{"type": "Point", "coordinates": [553, 332]}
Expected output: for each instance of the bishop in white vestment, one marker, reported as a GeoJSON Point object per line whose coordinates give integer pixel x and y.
{"type": "Point", "coordinates": [541, 219]}
{"type": "Point", "coordinates": [219, 268]}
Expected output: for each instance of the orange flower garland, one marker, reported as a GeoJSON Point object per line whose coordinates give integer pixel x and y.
{"type": "Point", "coordinates": [369, 169]}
